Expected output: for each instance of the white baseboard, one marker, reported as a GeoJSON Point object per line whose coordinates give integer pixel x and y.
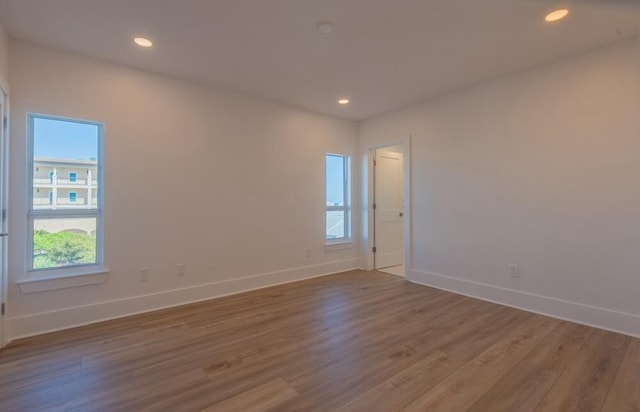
{"type": "Point", "coordinates": [598, 317]}
{"type": "Point", "coordinates": [40, 323]}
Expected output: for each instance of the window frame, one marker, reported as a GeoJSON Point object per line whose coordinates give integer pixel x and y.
{"type": "Point", "coordinates": [75, 197]}
{"type": "Point", "coordinates": [73, 179]}
{"type": "Point", "coordinates": [35, 214]}
{"type": "Point", "coordinates": [346, 207]}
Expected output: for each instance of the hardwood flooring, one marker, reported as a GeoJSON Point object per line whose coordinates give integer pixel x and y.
{"type": "Point", "coordinates": [358, 341]}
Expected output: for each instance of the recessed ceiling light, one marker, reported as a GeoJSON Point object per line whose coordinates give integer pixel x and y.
{"type": "Point", "coordinates": [556, 15]}
{"type": "Point", "coordinates": [143, 42]}
{"type": "Point", "coordinates": [325, 27]}
{"type": "Point", "coordinates": [343, 101]}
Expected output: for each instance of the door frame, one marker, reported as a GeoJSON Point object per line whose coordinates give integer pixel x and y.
{"type": "Point", "coordinates": [367, 199]}
{"type": "Point", "coordinates": [4, 186]}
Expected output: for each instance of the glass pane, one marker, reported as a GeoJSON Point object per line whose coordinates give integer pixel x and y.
{"type": "Point", "coordinates": [335, 224]}
{"type": "Point", "coordinates": [335, 180]}
{"type": "Point", "coordinates": [65, 161]}
{"type": "Point", "coordinates": [64, 242]}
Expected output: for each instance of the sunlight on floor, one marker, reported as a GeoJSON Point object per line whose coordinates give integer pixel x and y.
{"type": "Point", "coordinates": [394, 270]}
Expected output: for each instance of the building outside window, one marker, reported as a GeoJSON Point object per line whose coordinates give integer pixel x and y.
{"type": "Point", "coordinates": [65, 218]}
{"type": "Point", "coordinates": [338, 199]}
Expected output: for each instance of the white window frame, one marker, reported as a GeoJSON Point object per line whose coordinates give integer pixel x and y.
{"type": "Point", "coordinates": [75, 197]}
{"type": "Point", "coordinates": [35, 214]}
{"type": "Point", "coordinates": [346, 207]}
{"type": "Point", "coordinates": [75, 177]}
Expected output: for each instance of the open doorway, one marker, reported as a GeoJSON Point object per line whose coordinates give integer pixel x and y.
{"type": "Point", "coordinates": [389, 210]}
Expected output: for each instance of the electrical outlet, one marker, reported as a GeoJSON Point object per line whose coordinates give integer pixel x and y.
{"type": "Point", "coordinates": [144, 274]}
{"type": "Point", "coordinates": [181, 269]}
{"type": "Point", "coordinates": [514, 271]}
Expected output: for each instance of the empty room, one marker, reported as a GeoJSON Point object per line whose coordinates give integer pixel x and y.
{"type": "Point", "coordinates": [320, 205]}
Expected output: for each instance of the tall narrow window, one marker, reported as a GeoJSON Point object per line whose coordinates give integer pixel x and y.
{"type": "Point", "coordinates": [65, 230]}
{"type": "Point", "coordinates": [338, 199]}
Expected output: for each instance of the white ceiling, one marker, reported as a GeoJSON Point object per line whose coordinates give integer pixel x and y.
{"type": "Point", "coordinates": [383, 54]}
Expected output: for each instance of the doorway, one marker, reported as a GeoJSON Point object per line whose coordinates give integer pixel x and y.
{"type": "Point", "coordinates": [4, 158]}
{"type": "Point", "coordinates": [389, 210]}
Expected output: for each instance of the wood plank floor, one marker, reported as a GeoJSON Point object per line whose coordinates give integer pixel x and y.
{"type": "Point", "coordinates": [358, 341]}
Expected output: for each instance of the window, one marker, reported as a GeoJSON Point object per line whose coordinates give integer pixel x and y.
{"type": "Point", "coordinates": [338, 199]}
{"type": "Point", "coordinates": [65, 233]}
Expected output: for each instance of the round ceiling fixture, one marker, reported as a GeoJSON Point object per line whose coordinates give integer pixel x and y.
{"type": "Point", "coordinates": [556, 15]}
{"type": "Point", "coordinates": [325, 27]}
{"type": "Point", "coordinates": [143, 42]}
{"type": "Point", "coordinates": [344, 101]}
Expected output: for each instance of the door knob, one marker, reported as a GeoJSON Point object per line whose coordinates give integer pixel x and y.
{"type": "Point", "coordinates": [401, 214]}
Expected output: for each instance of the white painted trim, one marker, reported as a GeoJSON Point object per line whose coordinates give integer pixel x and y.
{"type": "Point", "coordinates": [330, 247]}
{"type": "Point", "coordinates": [64, 281]}
{"type": "Point", "coordinates": [4, 186]}
{"type": "Point", "coordinates": [598, 317]}
{"type": "Point", "coordinates": [39, 323]}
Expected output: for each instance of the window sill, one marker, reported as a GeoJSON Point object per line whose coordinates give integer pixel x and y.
{"type": "Point", "coordinates": [46, 283]}
{"type": "Point", "coordinates": [347, 244]}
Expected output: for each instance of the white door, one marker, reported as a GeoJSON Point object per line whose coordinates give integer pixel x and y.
{"type": "Point", "coordinates": [4, 157]}
{"type": "Point", "coordinates": [389, 209]}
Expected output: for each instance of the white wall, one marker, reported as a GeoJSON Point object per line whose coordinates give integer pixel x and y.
{"type": "Point", "coordinates": [4, 55]}
{"type": "Point", "coordinates": [229, 185]}
{"type": "Point", "coordinates": [540, 169]}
